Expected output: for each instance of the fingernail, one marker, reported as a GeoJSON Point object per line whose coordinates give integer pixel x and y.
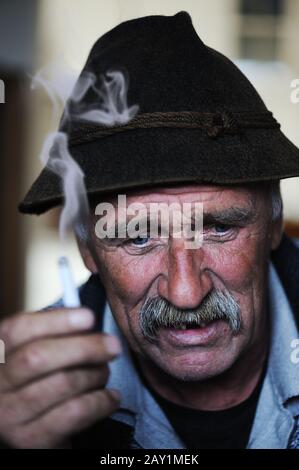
{"type": "Point", "coordinates": [81, 318]}
{"type": "Point", "coordinates": [113, 345]}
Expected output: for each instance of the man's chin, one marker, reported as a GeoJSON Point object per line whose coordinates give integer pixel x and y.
{"type": "Point", "coordinates": [197, 366]}
{"type": "Point", "coordinates": [193, 355]}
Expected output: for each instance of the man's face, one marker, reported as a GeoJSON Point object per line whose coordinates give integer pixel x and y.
{"type": "Point", "coordinates": [233, 259]}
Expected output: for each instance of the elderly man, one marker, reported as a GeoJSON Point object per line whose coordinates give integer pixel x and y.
{"type": "Point", "coordinates": [189, 347]}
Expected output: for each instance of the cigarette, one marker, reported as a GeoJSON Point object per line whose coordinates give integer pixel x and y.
{"type": "Point", "coordinates": [70, 297]}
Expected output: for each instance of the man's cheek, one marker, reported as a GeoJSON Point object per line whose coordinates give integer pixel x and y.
{"type": "Point", "coordinates": [233, 268]}
{"type": "Point", "coordinates": [139, 272]}
{"type": "Point", "coordinates": [250, 250]}
{"type": "Point", "coordinates": [122, 278]}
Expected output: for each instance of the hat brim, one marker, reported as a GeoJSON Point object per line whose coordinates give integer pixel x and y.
{"type": "Point", "coordinates": [147, 157]}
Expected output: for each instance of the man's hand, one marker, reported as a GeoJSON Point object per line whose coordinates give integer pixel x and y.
{"type": "Point", "coordinates": [52, 383]}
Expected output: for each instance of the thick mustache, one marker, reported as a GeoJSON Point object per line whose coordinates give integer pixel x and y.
{"type": "Point", "coordinates": [157, 312]}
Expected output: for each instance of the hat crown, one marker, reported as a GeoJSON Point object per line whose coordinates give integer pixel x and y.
{"type": "Point", "coordinates": [169, 68]}
{"type": "Point", "coordinates": [199, 119]}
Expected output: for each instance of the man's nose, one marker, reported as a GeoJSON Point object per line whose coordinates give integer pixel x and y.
{"type": "Point", "coordinates": [184, 282]}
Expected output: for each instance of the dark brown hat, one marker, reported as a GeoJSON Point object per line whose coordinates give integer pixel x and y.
{"type": "Point", "coordinates": [199, 120]}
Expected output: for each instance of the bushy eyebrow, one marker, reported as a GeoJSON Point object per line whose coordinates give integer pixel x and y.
{"type": "Point", "coordinates": [231, 216]}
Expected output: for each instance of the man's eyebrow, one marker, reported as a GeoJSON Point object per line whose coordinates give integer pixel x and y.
{"type": "Point", "coordinates": [230, 216]}
{"type": "Point", "coordinates": [119, 227]}
{"type": "Point", "coordinates": [233, 215]}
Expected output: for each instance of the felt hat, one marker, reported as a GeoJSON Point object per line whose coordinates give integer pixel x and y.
{"type": "Point", "coordinates": [200, 120]}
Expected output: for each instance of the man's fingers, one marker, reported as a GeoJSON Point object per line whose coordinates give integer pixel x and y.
{"type": "Point", "coordinates": [22, 328]}
{"type": "Point", "coordinates": [70, 417]}
{"type": "Point", "coordinates": [34, 400]}
{"type": "Point", "coordinates": [42, 357]}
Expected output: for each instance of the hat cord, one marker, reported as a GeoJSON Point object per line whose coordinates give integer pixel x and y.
{"type": "Point", "coordinates": [215, 124]}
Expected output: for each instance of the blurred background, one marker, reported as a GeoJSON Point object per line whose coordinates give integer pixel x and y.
{"type": "Point", "coordinates": [53, 38]}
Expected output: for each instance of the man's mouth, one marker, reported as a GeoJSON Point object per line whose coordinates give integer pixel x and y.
{"type": "Point", "coordinates": [193, 334]}
{"type": "Point", "coordinates": [191, 326]}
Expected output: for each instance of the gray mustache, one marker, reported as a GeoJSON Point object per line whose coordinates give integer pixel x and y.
{"type": "Point", "coordinates": [157, 312]}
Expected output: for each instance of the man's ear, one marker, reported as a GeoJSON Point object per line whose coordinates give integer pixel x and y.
{"type": "Point", "coordinates": [86, 256]}
{"type": "Point", "coordinates": [276, 233]}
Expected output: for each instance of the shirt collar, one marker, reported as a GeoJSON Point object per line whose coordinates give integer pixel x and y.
{"type": "Point", "coordinates": [282, 370]}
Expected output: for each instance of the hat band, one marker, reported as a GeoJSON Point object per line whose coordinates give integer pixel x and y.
{"type": "Point", "coordinates": [214, 124]}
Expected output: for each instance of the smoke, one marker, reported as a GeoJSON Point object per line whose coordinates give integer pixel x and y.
{"type": "Point", "coordinates": [108, 107]}
{"type": "Point", "coordinates": [56, 81]}
{"type": "Point", "coordinates": [57, 158]}
{"type": "Point", "coordinates": [158, 312]}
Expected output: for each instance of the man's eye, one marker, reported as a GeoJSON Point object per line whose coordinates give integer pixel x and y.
{"type": "Point", "coordinates": [220, 233]}
{"type": "Point", "coordinates": [221, 228]}
{"type": "Point", "coordinates": [140, 241]}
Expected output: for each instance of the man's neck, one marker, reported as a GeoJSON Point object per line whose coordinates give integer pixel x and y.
{"type": "Point", "coordinates": [224, 391]}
